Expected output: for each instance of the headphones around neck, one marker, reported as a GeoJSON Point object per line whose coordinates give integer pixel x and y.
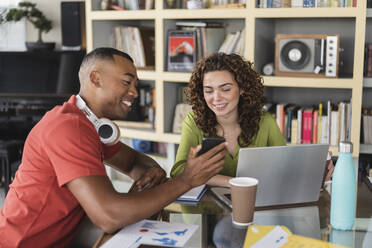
{"type": "Point", "coordinates": [107, 130]}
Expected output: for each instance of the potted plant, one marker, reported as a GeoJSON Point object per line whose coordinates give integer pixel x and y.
{"type": "Point", "coordinates": [37, 18]}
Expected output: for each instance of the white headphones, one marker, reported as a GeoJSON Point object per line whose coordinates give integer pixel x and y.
{"type": "Point", "coordinates": [107, 130]}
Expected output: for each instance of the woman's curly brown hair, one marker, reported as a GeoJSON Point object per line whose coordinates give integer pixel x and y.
{"type": "Point", "coordinates": [250, 103]}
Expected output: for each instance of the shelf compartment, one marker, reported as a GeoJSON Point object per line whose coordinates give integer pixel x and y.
{"type": "Point", "coordinates": [174, 94]}
{"type": "Point", "coordinates": [213, 38]}
{"type": "Point", "coordinates": [305, 12]}
{"type": "Point", "coordinates": [103, 36]}
{"type": "Point", "coordinates": [306, 96]}
{"type": "Point", "coordinates": [266, 30]}
{"type": "Point", "coordinates": [96, 5]}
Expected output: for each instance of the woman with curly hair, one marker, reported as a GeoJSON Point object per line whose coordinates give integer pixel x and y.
{"type": "Point", "coordinates": [226, 95]}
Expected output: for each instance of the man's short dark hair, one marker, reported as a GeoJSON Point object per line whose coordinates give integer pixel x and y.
{"type": "Point", "coordinates": [105, 53]}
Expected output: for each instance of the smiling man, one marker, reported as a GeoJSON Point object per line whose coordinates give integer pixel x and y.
{"type": "Point", "coordinates": [62, 176]}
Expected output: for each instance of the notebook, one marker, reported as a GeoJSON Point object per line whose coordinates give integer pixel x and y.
{"type": "Point", "coordinates": [286, 174]}
{"type": "Point", "coordinates": [194, 194]}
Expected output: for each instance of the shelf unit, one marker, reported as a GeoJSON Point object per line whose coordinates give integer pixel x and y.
{"type": "Point", "coordinates": [252, 19]}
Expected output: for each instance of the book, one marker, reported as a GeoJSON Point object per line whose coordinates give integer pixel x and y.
{"type": "Point", "coordinates": [294, 131]}
{"type": "Point", "coordinates": [299, 125]}
{"type": "Point", "coordinates": [194, 194]}
{"type": "Point", "coordinates": [181, 50]}
{"type": "Point", "coordinates": [307, 126]}
{"type": "Point", "coordinates": [315, 126]}
{"type": "Point", "coordinates": [148, 40]}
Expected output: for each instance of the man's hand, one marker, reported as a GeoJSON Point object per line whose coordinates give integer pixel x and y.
{"type": "Point", "coordinates": [329, 170]}
{"type": "Point", "coordinates": [199, 169]}
{"type": "Point", "coordinates": [152, 177]}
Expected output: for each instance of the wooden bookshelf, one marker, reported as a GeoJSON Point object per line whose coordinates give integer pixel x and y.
{"type": "Point", "coordinates": [251, 17]}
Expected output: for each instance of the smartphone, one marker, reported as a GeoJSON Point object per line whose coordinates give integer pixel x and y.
{"type": "Point", "coordinates": [209, 143]}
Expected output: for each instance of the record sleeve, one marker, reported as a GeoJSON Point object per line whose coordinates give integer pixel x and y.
{"type": "Point", "coordinates": [181, 50]}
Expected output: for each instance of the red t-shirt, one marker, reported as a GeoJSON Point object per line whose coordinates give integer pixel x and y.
{"type": "Point", "coordinates": [39, 210]}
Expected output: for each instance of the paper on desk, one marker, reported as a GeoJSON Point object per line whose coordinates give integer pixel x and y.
{"type": "Point", "coordinates": [275, 238]}
{"type": "Point", "coordinates": [279, 236]}
{"type": "Point", "coordinates": [152, 232]}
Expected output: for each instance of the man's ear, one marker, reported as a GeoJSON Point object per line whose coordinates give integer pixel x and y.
{"type": "Point", "coordinates": [95, 78]}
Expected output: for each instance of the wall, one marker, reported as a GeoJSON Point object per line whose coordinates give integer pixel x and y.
{"type": "Point", "coordinates": [52, 10]}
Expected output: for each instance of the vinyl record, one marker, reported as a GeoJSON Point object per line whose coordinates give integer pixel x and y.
{"type": "Point", "coordinates": [295, 55]}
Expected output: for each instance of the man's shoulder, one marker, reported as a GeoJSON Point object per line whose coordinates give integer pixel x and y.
{"type": "Point", "coordinates": [65, 117]}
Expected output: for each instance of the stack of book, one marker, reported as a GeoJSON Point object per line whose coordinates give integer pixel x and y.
{"type": "Point", "coordinates": [139, 43]}
{"type": "Point", "coordinates": [131, 4]}
{"type": "Point", "coordinates": [234, 43]}
{"type": "Point", "coordinates": [182, 4]}
{"type": "Point", "coordinates": [304, 3]}
{"type": "Point", "coordinates": [311, 125]}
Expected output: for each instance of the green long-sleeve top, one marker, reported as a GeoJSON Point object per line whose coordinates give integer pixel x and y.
{"type": "Point", "coordinates": [268, 135]}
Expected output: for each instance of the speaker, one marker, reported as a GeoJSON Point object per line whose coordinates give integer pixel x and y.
{"type": "Point", "coordinates": [73, 25]}
{"type": "Point", "coordinates": [301, 55]}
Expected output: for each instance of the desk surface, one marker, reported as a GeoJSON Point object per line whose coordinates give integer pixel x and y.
{"type": "Point", "coordinates": [312, 220]}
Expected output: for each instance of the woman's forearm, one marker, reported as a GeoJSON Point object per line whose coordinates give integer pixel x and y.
{"type": "Point", "coordinates": [219, 180]}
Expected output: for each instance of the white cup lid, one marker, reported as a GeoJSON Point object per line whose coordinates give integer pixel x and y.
{"type": "Point", "coordinates": [243, 181]}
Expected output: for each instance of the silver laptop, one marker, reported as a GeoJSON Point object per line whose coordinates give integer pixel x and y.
{"type": "Point", "coordinates": [286, 174]}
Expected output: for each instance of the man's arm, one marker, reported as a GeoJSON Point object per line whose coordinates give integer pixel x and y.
{"type": "Point", "coordinates": [140, 167]}
{"type": "Point", "coordinates": [111, 210]}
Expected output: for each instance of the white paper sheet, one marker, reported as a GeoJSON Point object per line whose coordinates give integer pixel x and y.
{"type": "Point", "coordinates": [274, 239]}
{"type": "Point", "coordinates": [151, 232]}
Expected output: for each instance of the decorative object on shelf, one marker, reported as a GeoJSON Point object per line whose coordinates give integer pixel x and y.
{"type": "Point", "coordinates": [142, 145]}
{"type": "Point", "coordinates": [105, 4]}
{"type": "Point", "coordinates": [268, 69]}
{"type": "Point", "coordinates": [170, 4]}
{"type": "Point", "coordinates": [37, 18]}
{"type": "Point", "coordinates": [194, 4]}
{"type": "Point", "coordinates": [307, 55]}
{"type": "Point", "coordinates": [179, 115]}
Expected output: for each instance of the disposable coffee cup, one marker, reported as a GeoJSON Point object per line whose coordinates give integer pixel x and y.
{"type": "Point", "coordinates": [243, 197]}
